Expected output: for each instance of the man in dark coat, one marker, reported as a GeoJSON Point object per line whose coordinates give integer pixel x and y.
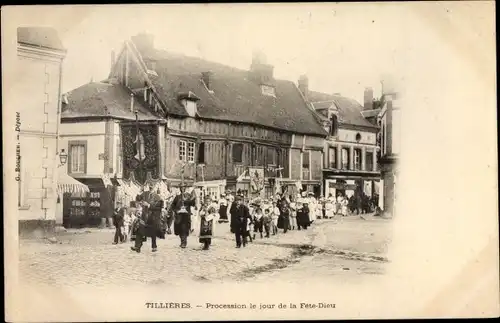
{"type": "Point", "coordinates": [240, 215]}
{"type": "Point", "coordinates": [150, 222]}
{"type": "Point", "coordinates": [118, 219]}
{"type": "Point", "coordinates": [285, 214]}
{"type": "Point", "coordinates": [181, 208]}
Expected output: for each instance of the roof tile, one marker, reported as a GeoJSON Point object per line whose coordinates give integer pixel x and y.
{"type": "Point", "coordinates": [349, 109]}
{"type": "Point", "coordinates": [100, 99]}
{"type": "Point", "coordinates": [234, 98]}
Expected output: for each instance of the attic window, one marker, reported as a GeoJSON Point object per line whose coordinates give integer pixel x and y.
{"type": "Point", "coordinates": [188, 100]}
{"type": "Point", "coordinates": [190, 107]}
{"type": "Point", "coordinates": [268, 90]}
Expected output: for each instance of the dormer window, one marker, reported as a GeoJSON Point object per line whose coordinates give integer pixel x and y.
{"type": "Point", "coordinates": [268, 90]}
{"type": "Point", "coordinates": [189, 101]}
{"type": "Point", "coordinates": [190, 107]}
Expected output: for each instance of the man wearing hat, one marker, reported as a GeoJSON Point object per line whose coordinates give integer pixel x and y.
{"type": "Point", "coordinates": [181, 207]}
{"type": "Point", "coordinates": [150, 223]}
{"type": "Point", "coordinates": [240, 215]}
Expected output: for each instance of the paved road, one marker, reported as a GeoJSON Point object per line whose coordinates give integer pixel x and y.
{"type": "Point", "coordinates": [349, 248]}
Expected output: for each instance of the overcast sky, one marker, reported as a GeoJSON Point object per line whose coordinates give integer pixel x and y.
{"type": "Point", "coordinates": [342, 48]}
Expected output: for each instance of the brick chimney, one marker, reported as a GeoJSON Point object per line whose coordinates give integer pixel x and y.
{"type": "Point", "coordinates": [368, 99]}
{"type": "Point", "coordinates": [260, 71]}
{"type": "Point", "coordinates": [205, 77]}
{"type": "Point", "coordinates": [143, 41]}
{"type": "Point", "coordinates": [303, 86]}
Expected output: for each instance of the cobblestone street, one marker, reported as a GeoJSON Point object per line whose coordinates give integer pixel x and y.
{"type": "Point", "coordinates": [351, 247]}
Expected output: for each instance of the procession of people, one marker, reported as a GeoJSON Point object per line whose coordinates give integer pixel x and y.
{"type": "Point", "coordinates": [150, 216]}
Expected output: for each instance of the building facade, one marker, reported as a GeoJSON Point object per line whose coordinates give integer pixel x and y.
{"type": "Point", "coordinates": [208, 125]}
{"type": "Point", "coordinates": [390, 136]}
{"type": "Point", "coordinates": [242, 129]}
{"type": "Point", "coordinates": [37, 102]}
{"type": "Point", "coordinates": [91, 121]}
{"type": "Point", "coordinates": [350, 150]}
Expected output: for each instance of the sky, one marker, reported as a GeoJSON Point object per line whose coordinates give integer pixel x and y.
{"type": "Point", "coordinates": [342, 48]}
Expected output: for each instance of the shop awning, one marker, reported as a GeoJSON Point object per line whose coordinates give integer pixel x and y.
{"type": "Point", "coordinates": [67, 184]}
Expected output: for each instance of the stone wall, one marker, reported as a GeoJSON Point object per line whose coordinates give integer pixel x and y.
{"type": "Point", "coordinates": [37, 102]}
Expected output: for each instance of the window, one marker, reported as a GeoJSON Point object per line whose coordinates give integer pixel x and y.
{"type": "Point", "coordinates": [382, 139]}
{"type": "Point", "coordinates": [333, 126]}
{"type": "Point", "coordinates": [190, 107]}
{"type": "Point", "coordinates": [357, 159]}
{"type": "Point", "coordinates": [237, 153]}
{"type": "Point", "coordinates": [268, 90]}
{"type": "Point", "coordinates": [190, 152]}
{"type": "Point", "coordinates": [212, 191]}
{"type": "Point", "coordinates": [182, 150]}
{"type": "Point", "coordinates": [332, 157]}
{"type": "Point", "coordinates": [369, 161]}
{"type": "Point", "coordinates": [119, 160]}
{"type": "Point", "coordinates": [305, 159]}
{"type": "Point", "coordinates": [271, 156]}
{"type": "Point", "coordinates": [345, 158]}
{"type": "Point", "coordinates": [77, 157]}
{"type": "Point", "coordinates": [305, 165]}
{"type": "Point", "coordinates": [201, 153]}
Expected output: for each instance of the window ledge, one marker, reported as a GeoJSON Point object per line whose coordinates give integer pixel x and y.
{"type": "Point", "coordinates": [24, 207]}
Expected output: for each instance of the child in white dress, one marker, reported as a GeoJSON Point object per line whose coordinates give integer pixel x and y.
{"type": "Point", "coordinates": [127, 221]}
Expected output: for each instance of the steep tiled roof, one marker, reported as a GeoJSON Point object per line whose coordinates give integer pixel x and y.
{"type": "Point", "coordinates": [40, 37]}
{"type": "Point", "coordinates": [99, 99]}
{"type": "Point", "coordinates": [235, 97]}
{"type": "Point", "coordinates": [349, 109]}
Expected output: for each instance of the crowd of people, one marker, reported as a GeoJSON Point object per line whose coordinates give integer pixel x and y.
{"type": "Point", "coordinates": [249, 219]}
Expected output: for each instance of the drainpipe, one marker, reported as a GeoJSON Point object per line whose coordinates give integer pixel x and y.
{"type": "Point", "coordinates": [58, 121]}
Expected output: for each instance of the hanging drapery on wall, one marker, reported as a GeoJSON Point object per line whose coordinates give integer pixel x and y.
{"type": "Point", "coordinates": [140, 151]}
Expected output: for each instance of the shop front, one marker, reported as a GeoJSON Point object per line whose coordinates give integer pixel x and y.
{"type": "Point", "coordinates": [349, 184]}
{"type": "Point", "coordinates": [214, 189]}
{"type": "Point", "coordinates": [67, 187]}
{"type": "Point", "coordinates": [90, 208]}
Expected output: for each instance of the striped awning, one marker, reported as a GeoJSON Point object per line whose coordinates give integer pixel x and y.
{"type": "Point", "coordinates": [67, 184]}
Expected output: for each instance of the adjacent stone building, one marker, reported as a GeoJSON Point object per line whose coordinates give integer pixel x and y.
{"type": "Point", "coordinates": [37, 102]}
{"type": "Point", "coordinates": [350, 150]}
{"type": "Point", "coordinates": [390, 138]}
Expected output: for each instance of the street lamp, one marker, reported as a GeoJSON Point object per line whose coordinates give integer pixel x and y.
{"type": "Point", "coordinates": [63, 158]}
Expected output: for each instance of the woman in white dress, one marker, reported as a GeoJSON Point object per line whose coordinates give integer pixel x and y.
{"type": "Point", "coordinates": [344, 205]}
{"type": "Point", "coordinates": [329, 211]}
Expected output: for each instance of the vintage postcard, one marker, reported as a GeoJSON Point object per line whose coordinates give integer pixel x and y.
{"type": "Point", "coordinates": [192, 162]}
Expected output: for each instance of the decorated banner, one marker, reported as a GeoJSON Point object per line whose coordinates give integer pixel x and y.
{"type": "Point", "coordinates": [140, 151]}
{"type": "Point", "coordinates": [256, 179]}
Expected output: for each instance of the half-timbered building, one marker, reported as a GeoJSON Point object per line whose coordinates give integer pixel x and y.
{"type": "Point", "coordinates": [209, 125]}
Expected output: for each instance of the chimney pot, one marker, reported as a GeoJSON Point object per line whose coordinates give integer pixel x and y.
{"type": "Point", "coordinates": [205, 76]}
{"type": "Point", "coordinates": [304, 86]}
{"type": "Point", "coordinates": [368, 99]}
{"type": "Point", "coordinates": [143, 41]}
{"type": "Point", "coordinates": [260, 71]}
